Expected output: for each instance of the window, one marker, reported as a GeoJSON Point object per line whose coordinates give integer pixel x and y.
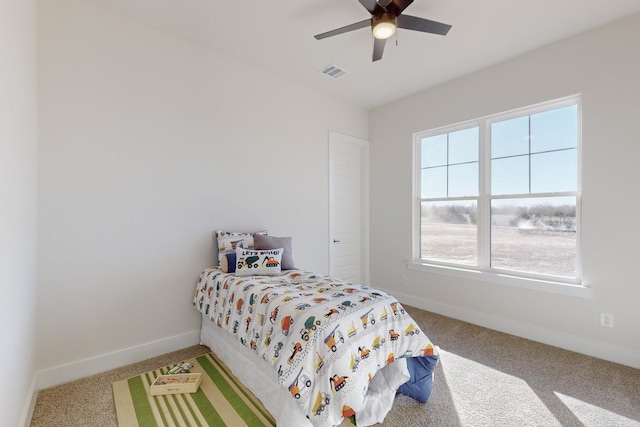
{"type": "Point", "coordinates": [502, 193]}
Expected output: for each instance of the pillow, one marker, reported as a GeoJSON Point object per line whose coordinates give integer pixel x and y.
{"type": "Point", "coordinates": [258, 263]}
{"type": "Point", "coordinates": [421, 382]}
{"type": "Point", "coordinates": [228, 264]}
{"type": "Point", "coordinates": [271, 242]}
{"type": "Point", "coordinates": [228, 241]}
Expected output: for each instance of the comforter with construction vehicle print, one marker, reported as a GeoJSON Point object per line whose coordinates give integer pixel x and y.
{"type": "Point", "coordinates": [324, 337]}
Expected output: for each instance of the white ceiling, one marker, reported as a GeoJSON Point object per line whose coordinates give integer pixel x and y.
{"type": "Point", "coordinates": [277, 36]}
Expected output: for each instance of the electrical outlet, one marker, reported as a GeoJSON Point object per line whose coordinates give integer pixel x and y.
{"type": "Point", "coordinates": [606, 320]}
{"type": "Point", "coordinates": [403, 279]}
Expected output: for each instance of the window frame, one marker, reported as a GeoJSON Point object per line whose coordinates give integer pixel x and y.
{"type": "Point", "coordinates": [483, 270]}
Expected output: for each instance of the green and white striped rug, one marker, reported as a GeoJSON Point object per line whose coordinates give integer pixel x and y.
{"type": "Point", "coordinates": [221, 400]}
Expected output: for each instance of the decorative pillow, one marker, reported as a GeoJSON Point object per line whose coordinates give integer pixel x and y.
{"type": "Point", "coordinates": [271, 242]}
{"type": "Point", "coordinates": [228, 264]}
{"type": "Point", "coordinates": [258, 263]}
{"type": "Point", "coordinates": [228, 241]}
{"type": "Point", "coordinates": [421, 382]}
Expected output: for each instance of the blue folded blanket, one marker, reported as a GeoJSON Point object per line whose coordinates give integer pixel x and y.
{"type": "Point", "coordinates": [421, 382]}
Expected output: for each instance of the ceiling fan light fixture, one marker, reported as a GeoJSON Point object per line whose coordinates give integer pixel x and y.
{"type": "Point", "coordinates": [384, 26]}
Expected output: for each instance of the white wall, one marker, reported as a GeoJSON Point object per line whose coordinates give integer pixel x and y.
{"type": "Point", "coordinates": [18, 197]}
{"type": "Point", "coordinates": [604, 66]}
{"type": "Point", "coordinates": [147, 144]}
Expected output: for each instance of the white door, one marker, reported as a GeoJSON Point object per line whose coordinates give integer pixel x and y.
{"type": "Point", "coordinates": [348, 207]}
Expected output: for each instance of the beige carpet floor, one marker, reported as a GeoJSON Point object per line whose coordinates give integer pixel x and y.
{"type": "Point", "coordinates": [485, 378]}
{"type": "Point", "coordinates": [89, 402]}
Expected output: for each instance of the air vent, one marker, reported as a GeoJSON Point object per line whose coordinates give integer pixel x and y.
{"type": "Point", "coordinates": [333, 71]}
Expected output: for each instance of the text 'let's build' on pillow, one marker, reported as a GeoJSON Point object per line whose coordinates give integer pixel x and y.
{"type": "Point", "coordinates": [258, 263]}
{"type": "Point", "coordinates": [271, 242]}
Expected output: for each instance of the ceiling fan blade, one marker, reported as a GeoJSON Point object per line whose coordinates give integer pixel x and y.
{"type": "Point", "coordinates": [400, 5]}
{"type": "Point", "coordinates": [409, 22]}
{"type": "Point", "coordinates": [346, 29]}
{"type": "Point", "coordinates": [370, 5]}
{"type": "Point", "coordinates": [378, 48]}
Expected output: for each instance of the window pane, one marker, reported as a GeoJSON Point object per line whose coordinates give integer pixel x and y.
{"type": "Point", "coordinates": [434, 182]}
{"type": "Point", "coordinates": [510, 175]}
{"type": "Point", "coordinates": [555, 129]}
{"type": "Point", "coordinates": [463, 146]}
{"type": "Point", "coordinates": [463, 180]}
{"type": "Point", "coordinates": [449, 232]}
{"type": "Point", "coordinates": [434, 151]}
{"type": "Point", "coordinates": [536, 235]}
{"type": "Point", "coordinates": [510, 137]}
{"type": "Point", "coordinates": [554, 171]}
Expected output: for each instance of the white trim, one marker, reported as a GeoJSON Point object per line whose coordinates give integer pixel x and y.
{"type": "Point", "coordinates": [613, 353]}
{"type": "Point", "coordinates": [30, 403]}
{"type": "Point", "coordinates": [365, 212]}
{"type": "Point", "coordinates": [536, 284]}
{"type": "Point", "coordinates": [94, 365]}
{"type": "Point", "coordinates": [540, 107]}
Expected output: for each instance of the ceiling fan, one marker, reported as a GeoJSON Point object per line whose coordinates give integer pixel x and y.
{"type": "Point", "coordinates": [386, 16]}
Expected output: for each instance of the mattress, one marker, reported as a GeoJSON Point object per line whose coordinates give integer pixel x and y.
{"type": "Point", "coordinates": [312, 348]}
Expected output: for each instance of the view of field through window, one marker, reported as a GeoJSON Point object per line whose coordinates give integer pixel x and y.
{"type": "Point", "coordinates": [535, 236]}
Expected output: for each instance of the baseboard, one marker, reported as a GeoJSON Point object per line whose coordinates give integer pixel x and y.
{"type": "Point", "coordinates": [94, 365]}
{"type": "Point", "coordinates": [30, 404]}
{"type": "Point", "coordinates": [600, 350]}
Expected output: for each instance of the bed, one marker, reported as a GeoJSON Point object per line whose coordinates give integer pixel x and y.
{"type": "Point", "coordinates": [312, 348]}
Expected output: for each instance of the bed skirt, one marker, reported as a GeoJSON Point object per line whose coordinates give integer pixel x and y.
{"type": "Point", "coordinates": [260, 377]}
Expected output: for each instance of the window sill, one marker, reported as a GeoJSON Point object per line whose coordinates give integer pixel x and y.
{"type": "Point", "coordinates": [561, 288]}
